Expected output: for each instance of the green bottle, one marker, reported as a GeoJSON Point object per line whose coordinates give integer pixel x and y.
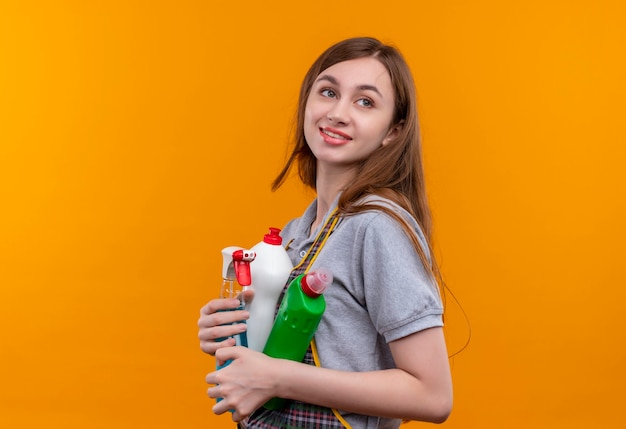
{"type": "Point", "coordinates": [297, 319]}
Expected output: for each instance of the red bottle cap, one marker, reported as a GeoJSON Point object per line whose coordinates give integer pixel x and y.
{"type": "Point", "coordinates": [273, 237]}
{"type": "Point", "coordinates": [315, 283]}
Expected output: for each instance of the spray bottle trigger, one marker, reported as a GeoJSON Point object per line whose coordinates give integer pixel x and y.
{"type": "Point", "coordinates": [241, 263]}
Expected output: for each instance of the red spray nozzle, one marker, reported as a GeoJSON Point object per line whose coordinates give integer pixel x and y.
{"type": "Point", "coordinates": [315, 282]}
{"type": "Point", "coordinates": [241, 263]}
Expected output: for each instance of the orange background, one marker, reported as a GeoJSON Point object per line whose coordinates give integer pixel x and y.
{"type": "Point", "coordinates": [138, 138]}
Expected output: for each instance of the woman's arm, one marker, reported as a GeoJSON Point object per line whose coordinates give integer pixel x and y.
{"type": "Point", "coordinates": [420, 388]}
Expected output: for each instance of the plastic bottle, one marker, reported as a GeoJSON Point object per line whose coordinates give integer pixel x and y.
{"type": "Point", "coordinates": [235, 278]}
{"type": "Point", "coordinates": [297, 320]}
{"type": "Point", "coordinates": [269, 272]}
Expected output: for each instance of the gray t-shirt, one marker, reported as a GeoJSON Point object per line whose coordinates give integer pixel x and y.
{"type": "Point", "coordinates": [380, 292]}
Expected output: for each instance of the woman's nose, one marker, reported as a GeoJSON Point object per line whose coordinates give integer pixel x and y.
{"type": "Point", "coordinates": [339, 113]}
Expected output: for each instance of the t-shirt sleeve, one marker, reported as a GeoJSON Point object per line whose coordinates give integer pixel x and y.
{"type": "Point", "coordinates": [401, 296]}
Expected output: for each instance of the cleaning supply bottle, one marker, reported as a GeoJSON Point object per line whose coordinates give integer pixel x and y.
{"type": "Point", "coordinates": [270, 272]}
{"type": "Point", "coordinates": [235, 279]}
{"type": "Point", "coordinates": [297, 320]}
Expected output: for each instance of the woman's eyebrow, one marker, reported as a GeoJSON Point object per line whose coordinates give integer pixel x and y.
{"type": "Point", "coordinates": [370, 88]}
{"type": "Point", "coordinates": [334, 81]}
{"type": "Point", "coordinates": [329, 78]}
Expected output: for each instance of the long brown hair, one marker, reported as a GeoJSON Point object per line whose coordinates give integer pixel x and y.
{"type": "Point", "coordinates": [393, 171]}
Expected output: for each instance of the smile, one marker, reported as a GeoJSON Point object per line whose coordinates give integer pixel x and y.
{"type": "Point", "coordinates": [335, 134]}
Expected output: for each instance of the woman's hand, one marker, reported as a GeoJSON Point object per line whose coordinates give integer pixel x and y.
{"type": "Point", "coordinates": [217, 323]}
{"type": "Point", "coordinates": [247, 383]}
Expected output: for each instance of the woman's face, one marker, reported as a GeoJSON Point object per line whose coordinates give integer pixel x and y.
{"type": "Point", "coordinates": [349, 111]}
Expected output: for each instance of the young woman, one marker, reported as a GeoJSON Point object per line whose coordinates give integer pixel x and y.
{"type": "Point", "coordinates": [380, 355]}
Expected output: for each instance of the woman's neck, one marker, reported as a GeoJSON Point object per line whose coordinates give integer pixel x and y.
{"type": "Point", "coordinates": [328, 186]}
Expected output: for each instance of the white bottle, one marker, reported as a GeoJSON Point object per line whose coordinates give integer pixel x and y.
{"type": "Point", "coordinates": [269, 272]}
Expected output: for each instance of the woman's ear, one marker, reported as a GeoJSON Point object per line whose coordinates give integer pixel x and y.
{"type": "Point", "coordinates": [393, 133]}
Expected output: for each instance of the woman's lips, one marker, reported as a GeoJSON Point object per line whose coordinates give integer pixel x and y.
{"type": "Point", "coordinates": [332, 136]}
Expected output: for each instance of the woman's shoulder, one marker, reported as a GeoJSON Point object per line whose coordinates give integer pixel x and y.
{"type": "Point", "coordinates": [383, 217]}
{"type": "Point", "coordinates": [378, 208]}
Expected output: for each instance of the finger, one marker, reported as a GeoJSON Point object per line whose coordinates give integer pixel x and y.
{"type": "Point", "coordinates": [220, 332]}
{"type": "Point", "coordinates": [211, 378]}
{"type": "Point", "coordinates": [221, 406]}
{"type": "Point", "coordinates": [247, 296]}
{"type": "Point", "coordinates": [213, 392]}
{"type": "Point", "coordinates": [229, 316]}
{"type": "Point", "coordinates": [228, 353]}
{"type": "Point", "coordinates": [225, 317]}
{"type": "Point", "coordinates": [237, 417]}
{"type": "Point", "coordinates": [219, 304]}
{"type": "Point", "coordinates": [211, 346]}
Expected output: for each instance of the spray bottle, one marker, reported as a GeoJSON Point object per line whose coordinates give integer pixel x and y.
{"type": "Point", "coordinates": [235, 280]}
{"type": "Point", "coordinates": [270, 271]}
{"type": "Point", "coordinates": [297, 320]}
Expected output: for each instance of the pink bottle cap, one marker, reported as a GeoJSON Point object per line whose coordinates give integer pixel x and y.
{"type": "Point", "coordinates": [315, 283]}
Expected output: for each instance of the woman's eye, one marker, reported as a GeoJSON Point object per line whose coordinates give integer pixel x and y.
{"type": "Point", "coordinates": [328, 93]}
{"type": "Point", "coordinates": [365, 102]}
